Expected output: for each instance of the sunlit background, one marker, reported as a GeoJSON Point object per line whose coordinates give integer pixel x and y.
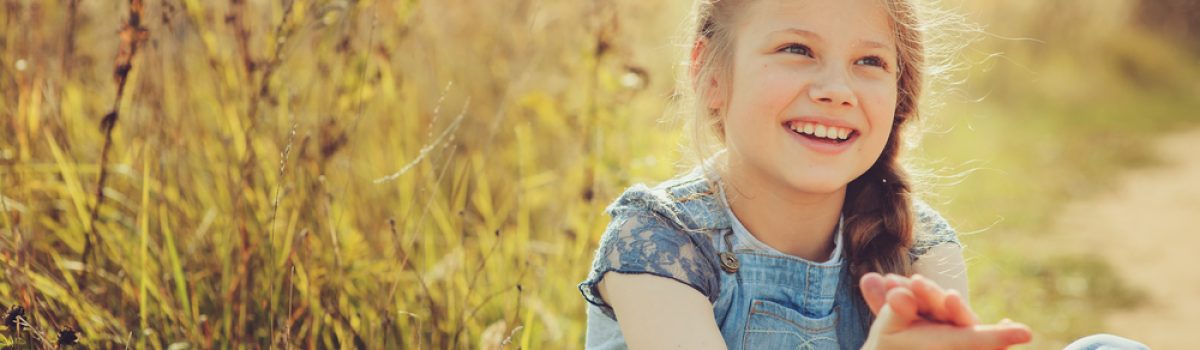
{"type": "Point", "coordinates": [432, 174]}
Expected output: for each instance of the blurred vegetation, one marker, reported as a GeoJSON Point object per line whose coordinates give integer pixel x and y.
{"type": "Point", "coordinates": [1059, 98]}
{"type": "Point", "coordinates": [404, 174]}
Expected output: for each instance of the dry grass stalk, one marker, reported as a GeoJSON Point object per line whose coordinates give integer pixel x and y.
{"type": "Point", "coordinates": [69, 43]}
{"type": "Point", "coordinates": [239, 293]}
{"type": "Point", "coordinates": [271, 226]}
{"type": "Point", "coordinates": [132, 35]}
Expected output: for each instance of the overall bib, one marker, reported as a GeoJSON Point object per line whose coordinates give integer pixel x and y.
{"type": "Point", "coordinates": [770, 300]}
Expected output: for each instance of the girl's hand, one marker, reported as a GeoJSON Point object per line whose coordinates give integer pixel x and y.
{"type": "Point", "coordinates": [907, 320]}
{"type": "Point", "coordinates": [936, 304]}
{"type": "Point", "coordinates": [899, 326]}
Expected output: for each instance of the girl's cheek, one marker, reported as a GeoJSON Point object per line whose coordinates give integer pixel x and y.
{"type": "Point", "coordinates": [880, 101]}
{"type": "Point", "coordinates": [773, 86]}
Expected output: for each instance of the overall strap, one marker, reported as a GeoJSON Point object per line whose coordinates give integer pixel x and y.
{"type": "Point", "coordinates": [854, 317]}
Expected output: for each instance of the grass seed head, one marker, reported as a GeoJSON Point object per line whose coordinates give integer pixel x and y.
{"type": "Point", "coordinates": [10, 317]}
{"type": "Point", "coordinates": [68, 336]}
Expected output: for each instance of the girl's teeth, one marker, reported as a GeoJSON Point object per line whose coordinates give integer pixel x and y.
{"type": "Point", "coordinates": [821, 131]}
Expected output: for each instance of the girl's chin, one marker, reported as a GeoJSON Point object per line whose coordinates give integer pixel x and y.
{"type": "Point", "coordinates": [818, 185]}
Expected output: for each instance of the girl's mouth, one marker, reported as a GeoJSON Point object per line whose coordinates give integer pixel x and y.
{"type": "Point", "coordinates": [822, 133]}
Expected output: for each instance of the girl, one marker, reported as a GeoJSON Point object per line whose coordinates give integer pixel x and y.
{"type": "Point", "coordinates": [777, 240]}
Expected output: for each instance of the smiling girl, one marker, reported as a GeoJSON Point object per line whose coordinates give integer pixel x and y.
{"type": "Point", "coordinates": [779, 238]}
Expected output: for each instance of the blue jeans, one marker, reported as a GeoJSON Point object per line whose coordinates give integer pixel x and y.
{"type": "Point", "coordinates": [1105, 342]}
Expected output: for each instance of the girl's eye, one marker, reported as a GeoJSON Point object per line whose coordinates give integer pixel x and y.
{"type": "Point", "coordinates": [797, 49]}
{"type": "Point", "coordinates": [872, 61]}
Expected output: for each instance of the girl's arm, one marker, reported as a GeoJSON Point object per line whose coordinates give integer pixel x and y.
{"type": "Point", "coordinates": [944, 265]}
{"type": "Point", "coordinates": [938, 252]}
{"type": "Point", "coordinates": [659, 313]}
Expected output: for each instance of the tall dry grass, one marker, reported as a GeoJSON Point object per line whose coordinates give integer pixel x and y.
{"type": "Point", "coordinates": [312, 173]}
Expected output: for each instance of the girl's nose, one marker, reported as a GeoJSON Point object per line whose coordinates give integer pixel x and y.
{"type": "Point", "coordinates": [832, 89]}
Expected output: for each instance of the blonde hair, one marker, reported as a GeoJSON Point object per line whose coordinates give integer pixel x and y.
{"type": "Point", "coordinates": [878, 208]}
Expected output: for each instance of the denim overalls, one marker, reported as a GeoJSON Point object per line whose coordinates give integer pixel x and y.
{"type": "Point", "coordinates": [762, 299]}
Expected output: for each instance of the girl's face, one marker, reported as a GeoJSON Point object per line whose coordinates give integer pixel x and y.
{"type": "Point", "coordinates": [813, 92]}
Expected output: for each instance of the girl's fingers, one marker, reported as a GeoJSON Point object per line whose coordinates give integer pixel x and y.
{"type": "Point", "coordinates": [943, 336]}
{"type": "Point", "coordinates": [960, 312]}
{"type": "Point", "coordinates": [996, 336]}
{"type": "Point", "coordinates": [928, 301]}
{"type": "Point", "coordinates": [902, 307]}
{"type": "Point", "coordinates": [873, 291]}
{"type": "Point", "coordinates": [932, 297]}
{"type": "Point", "coordinates": [894, 280]}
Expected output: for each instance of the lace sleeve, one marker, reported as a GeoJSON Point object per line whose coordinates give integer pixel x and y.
{"type": "Point", "coordinates": [642, 242]}
{"type": "Point", "coordinates": [931, 230]}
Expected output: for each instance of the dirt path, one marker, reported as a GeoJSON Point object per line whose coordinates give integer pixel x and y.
{"type": "Point", "coordinates": [1149, 228]}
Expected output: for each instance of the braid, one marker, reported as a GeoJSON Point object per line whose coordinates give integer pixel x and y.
{"type": "Point", "coordinates": [879, 217]}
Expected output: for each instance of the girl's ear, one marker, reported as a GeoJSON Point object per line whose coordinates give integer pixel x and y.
{"type": "Point", "coordinates": [712, 95]}
{"type": "Point", "coordinates": [697, 58]}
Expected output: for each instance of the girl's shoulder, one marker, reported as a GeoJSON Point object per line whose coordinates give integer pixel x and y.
{"type": "Point", "coordinates": [930, 230]}
{"type": "Point", "coordinates": [689, 201]}
{"type": "Point", "coordinates": [664, 231]}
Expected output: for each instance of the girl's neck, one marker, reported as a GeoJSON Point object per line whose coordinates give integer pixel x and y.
{"type": "Point", "coordinates": [796, 223]}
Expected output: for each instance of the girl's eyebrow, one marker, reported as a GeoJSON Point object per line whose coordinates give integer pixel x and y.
{"type": "Point", "coordinates": [810, 35]}
{"type": "Point", "coordinates": [801, 32]}
{"type": "Point", "coordinates": [870, 44]}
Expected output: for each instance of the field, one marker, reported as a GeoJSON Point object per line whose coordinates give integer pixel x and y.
{"type": "Point", "coordinates": [431, 175]}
